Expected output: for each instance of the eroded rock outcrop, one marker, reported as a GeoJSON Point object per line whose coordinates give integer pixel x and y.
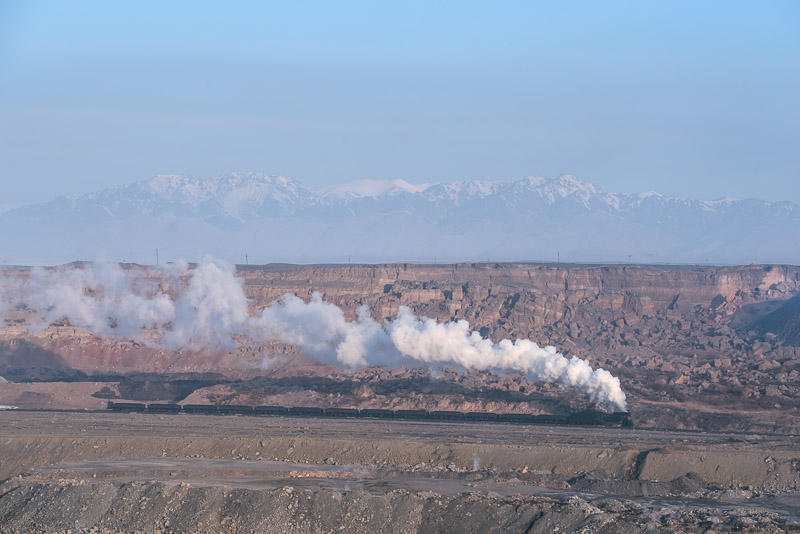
{"type": "Point", "coordinates": [693, 346]}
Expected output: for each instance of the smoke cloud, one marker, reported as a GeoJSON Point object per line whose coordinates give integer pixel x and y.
{"type": "Point", "coordinates": [208, 309]}
{"type": "Point", "coordinates": [101, 298]}
{"type": "Point", "coordinates": [432, 342]}
{"type": "Point", "coordinates": [322, 332]}
{"type": "Point", "coordinates": [211, 310]}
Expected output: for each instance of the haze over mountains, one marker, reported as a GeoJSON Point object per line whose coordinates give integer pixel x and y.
{"type": "Point", "coordinates": [277, 219]}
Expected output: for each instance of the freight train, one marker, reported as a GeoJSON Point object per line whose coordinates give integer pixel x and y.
{"type": "Point", "coordinates": [583, 418]}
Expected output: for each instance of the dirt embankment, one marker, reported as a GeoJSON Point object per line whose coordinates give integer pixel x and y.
{"type": "Point", "coordinates": [30, 440]}
{"type": "Point", "coordinates": [174, 473]}
{"type": "Point", "coordinates": [762, 469]}
{"type": "Point", "coordinates": [157, 507]}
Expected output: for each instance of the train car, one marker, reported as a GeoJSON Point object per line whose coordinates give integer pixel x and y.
{"type": "Point", "coordinates": [270, 410]}
{"type": "Point", "coordinates": [341, 412]}
{"type": "Point", "coordinates": [583, 418]}
{"type": "Point", "coordinates": [411, 414]}
{"type": "Point", "coordinates": [480, 416]}
{"type": "Point", "coordinates": [126, 406]}
{"type": "Point", "coordinates": [206, 409]}
{"type": "Point", "coordinates": [620, 419]}
{"type": "Point", "coordinates": [549, 419]}
{"type": "Point", "coordinates": [377, 413]}
{"type": "Point", "coordinates": [306, 411]}
{"type": "Point", "coordinates": [447, 415]}
{"type": "Point", "coordinates": [521, 418]}
{"type": "Point", "coordinates": [234, 409]}
{"type": "Point", "coordinates": [163, 407]}
{"type": "Point", "coordinates": [587, 418]}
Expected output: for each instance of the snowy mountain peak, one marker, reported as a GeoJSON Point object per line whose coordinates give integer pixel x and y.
{"type": "Point", "coordinates": [231, 190]}
{"type": "Point", "coordinates": [179, 186]}
{"type": "Point", "coordinates": [394, 220]}
{"type": "Point", "coordinates": [534, 181]}
{"type": "Point", "coordinates": [567, 184]}
{"type": "Point", "coordinates": [371, 188]}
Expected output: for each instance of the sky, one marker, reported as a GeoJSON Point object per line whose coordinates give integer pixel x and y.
{"type": "Point", "coordinates": [689, 98]}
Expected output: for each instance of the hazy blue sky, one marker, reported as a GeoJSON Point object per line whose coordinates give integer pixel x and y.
{"type": "Point", "coordinates": [689, 98]}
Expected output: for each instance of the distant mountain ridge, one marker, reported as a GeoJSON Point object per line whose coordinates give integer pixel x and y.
{"type": "Point", "coordinates": [274, 218]}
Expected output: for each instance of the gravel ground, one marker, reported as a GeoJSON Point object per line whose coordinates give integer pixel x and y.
{"type": "Point", "coordinates": [105, 472]}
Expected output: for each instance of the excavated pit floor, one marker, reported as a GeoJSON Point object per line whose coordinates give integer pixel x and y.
{"type": "Point", "coordinates": [270, 475]}
{"type": "Point", "coordinates": [597, 476]}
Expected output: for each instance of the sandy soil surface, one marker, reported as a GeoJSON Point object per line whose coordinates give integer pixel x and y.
{"type": "Point", "coordinates": [241, 474]}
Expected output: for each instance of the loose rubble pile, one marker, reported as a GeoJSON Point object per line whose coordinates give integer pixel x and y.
{"type": "Point", "coordinates": [157, 507]}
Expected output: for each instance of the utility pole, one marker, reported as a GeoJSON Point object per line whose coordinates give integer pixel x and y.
{"type": "Point", "coordinates": [246, 259]}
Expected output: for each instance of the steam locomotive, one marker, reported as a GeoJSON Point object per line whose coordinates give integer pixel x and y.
{"type": "Point", "coordinates": [582, 418]}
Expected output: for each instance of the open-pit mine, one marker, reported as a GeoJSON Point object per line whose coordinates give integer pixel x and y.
{"type": "Point", "coordinates": [465, 397]}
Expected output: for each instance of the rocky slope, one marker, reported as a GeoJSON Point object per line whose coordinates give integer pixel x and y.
{"type": "Point", "coordinates": [156, 507]}
{"type": "Point", "coordinates": [694, 347]}
{"type": "Point", "coordinates": [108, 472]}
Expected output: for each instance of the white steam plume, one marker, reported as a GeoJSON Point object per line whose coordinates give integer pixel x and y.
{"type": "Point", "coordinates": [212, 309]}
{"type": "Point", "coordinates": [322, 332]}
{"type": "Point", "coordinates": [429, 341]}
{"type": "Point", "coordinates": [101, 298]}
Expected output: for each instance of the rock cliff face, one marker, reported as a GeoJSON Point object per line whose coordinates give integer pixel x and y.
{"type": "Point", "coordinates": [546, 302]}
{"type": "Point", "coordinates": [692, 346]}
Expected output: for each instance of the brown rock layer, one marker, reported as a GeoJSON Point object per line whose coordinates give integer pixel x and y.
{"type": "Point", "coordinates": [693, 346]}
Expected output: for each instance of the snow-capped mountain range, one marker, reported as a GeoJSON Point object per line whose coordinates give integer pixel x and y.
{"type": "Point", "coordinates": [277, 219]}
